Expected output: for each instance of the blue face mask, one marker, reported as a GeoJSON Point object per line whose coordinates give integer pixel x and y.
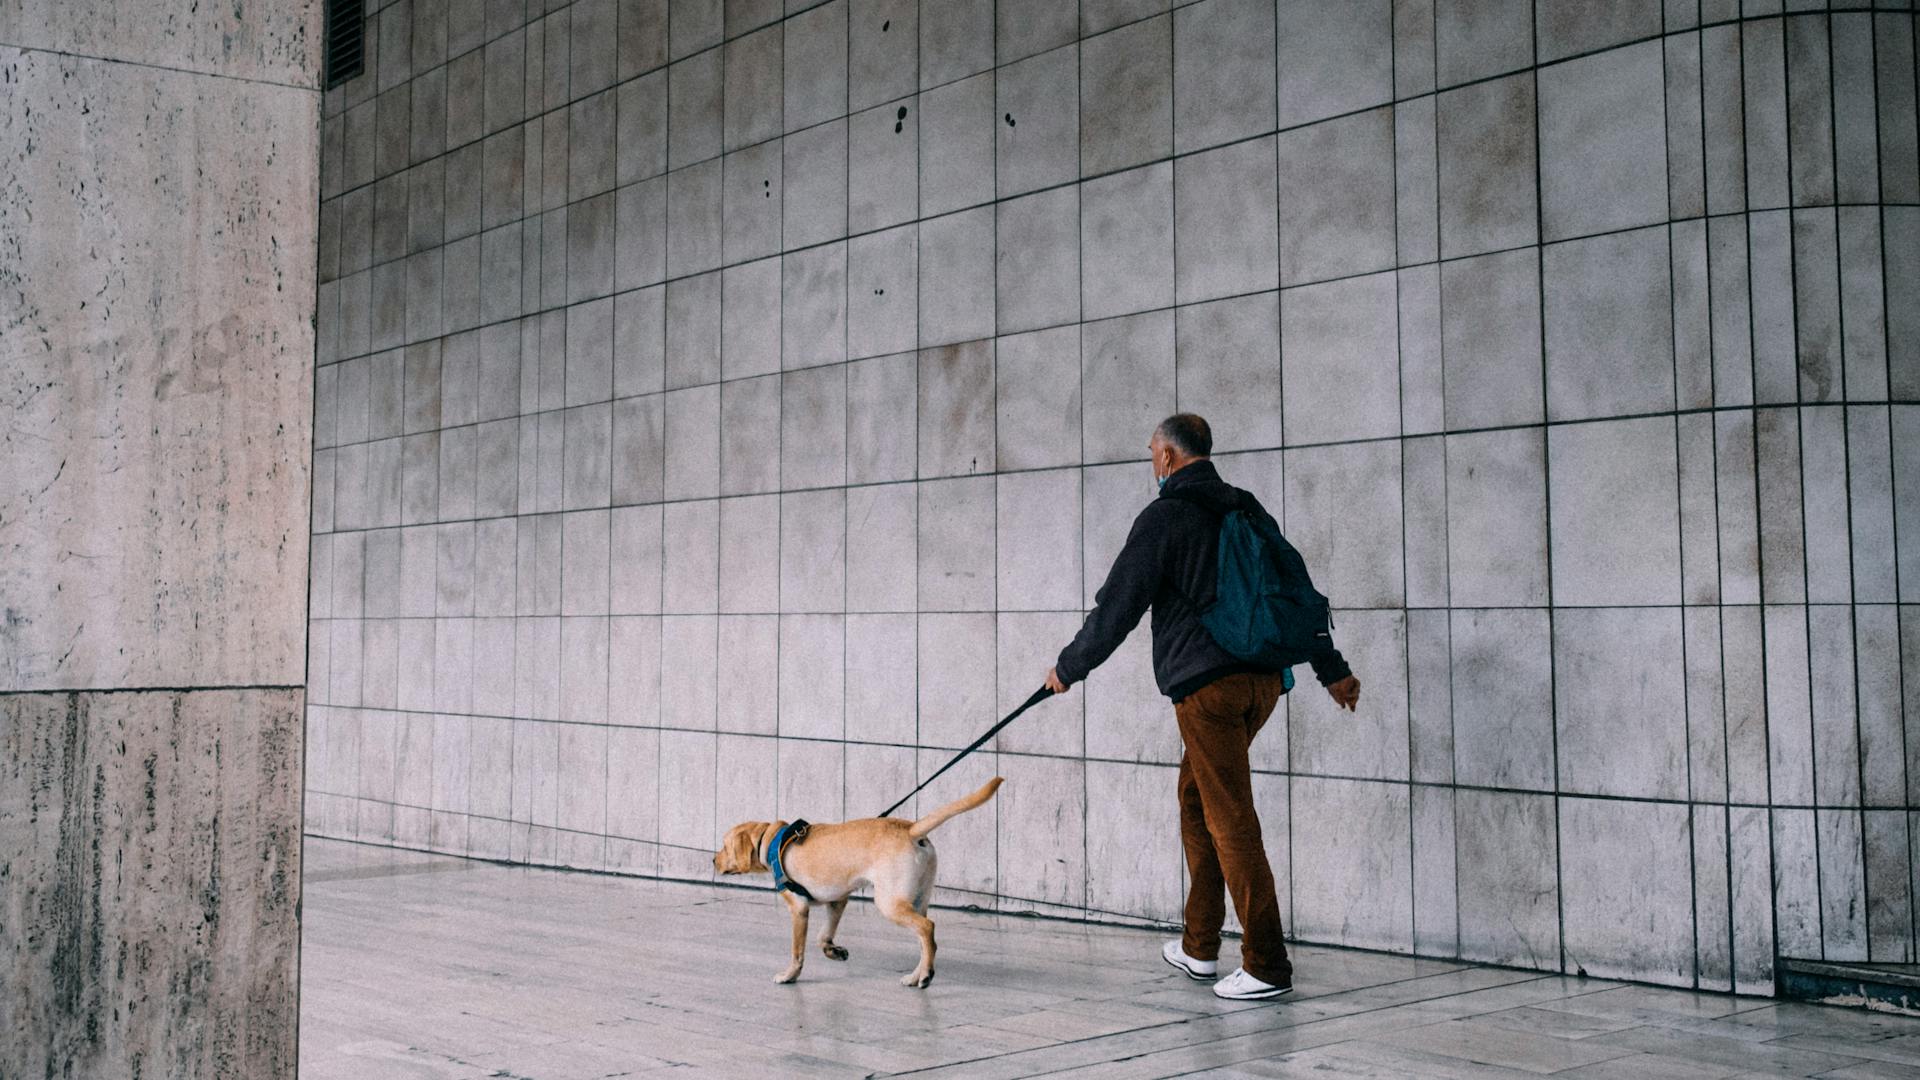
{"type": "Point", "coordinates": [1160, 482]}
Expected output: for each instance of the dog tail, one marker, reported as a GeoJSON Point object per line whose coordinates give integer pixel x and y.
{"type": "Point", "coordinates": [953, 809]}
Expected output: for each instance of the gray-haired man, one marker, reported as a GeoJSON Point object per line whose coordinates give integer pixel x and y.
{"type": "Point", "coordinates": [1219, 701]}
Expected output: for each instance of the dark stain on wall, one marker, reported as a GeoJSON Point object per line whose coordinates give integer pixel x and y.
{"type": "Point", "coordinates": [149, 870]}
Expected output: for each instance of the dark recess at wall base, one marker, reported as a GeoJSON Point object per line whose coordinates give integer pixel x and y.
{"type": "Point", "coordinates": [150, 877]}
{"type": "Point", "coordinates": [1893, 988]}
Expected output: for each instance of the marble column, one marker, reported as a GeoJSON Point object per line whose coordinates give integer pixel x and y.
{"type": "Point", "coordinates": [158, 223]}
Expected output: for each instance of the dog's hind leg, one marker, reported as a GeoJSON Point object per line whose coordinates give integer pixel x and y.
{"type": "Point", "coordinates": [834, 911]}
{"type": "Point", "coordinates": [799, 909]}
{"type": "Point", "coordinates": [901, 910]}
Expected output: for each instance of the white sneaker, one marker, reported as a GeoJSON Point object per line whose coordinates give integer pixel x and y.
{"type": "Point", "coordinates": [1197, 970]}
{"type": "Point", "coordinates": [1241, 986]}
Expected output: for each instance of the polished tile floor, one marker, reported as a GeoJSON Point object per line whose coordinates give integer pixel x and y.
{"type": "Point", "coordinates": [427, 966]}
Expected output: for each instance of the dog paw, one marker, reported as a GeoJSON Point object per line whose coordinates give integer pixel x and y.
{"type": "Point", "coordinates": [834, 952]}
{"type": "Point", "coordinates": [916, 980]}
{"type": "Point", "coordinates": [787, 976]}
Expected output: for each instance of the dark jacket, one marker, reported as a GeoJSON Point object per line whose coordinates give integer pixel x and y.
{"type": "Point", "coordinates": [1169, 564]}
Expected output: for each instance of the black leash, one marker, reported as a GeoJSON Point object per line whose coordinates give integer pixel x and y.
{"type": "Point", "coordinates": [1038, 696]}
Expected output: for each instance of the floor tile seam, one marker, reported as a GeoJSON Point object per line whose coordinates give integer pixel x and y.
{"type": "Point", "coordinates": [1232, 1038]}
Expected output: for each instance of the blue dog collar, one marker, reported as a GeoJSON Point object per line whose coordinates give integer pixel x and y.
{"type": "Point", "coordinates": [792, 833]}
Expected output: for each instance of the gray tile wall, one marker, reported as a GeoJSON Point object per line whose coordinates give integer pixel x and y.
{"type": "Point", "coordinates": [727, 410]}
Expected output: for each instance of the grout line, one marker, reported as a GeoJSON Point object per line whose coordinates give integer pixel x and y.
{"type": "Point", "coordinates": [563, 512]}
{"type": "Point", "coordinates": [1446, 465]}
{"type": "Point", "coordinates": [307, 624]}
{"type": "Point", "coordinates": [1796, 407]}
{"type": "Point", "coordinates": [71, 54]}
{"type": "Point", "coordinates": [720, 440]}
{"type": "Point", "coordinates": [1594, 796]}
{"type": "Point", "coordinates": [1760, 557]}
{"type": "Point", "coordinates": [1825, 23]}
{"type": "Point", "coordinates": [660, 556]}
{"type": "Point", "coordinates": [1720, 560]}
{"type": "Point", "coordinates": [1283, 705]}
{"type": "Point", "coordinates": [1173, 244]}
{"type": "Point", "coordinates": [1400, 398]}
{"type": "Point", "coordinates": [1893, 468]}
{"type": "Point", "coordinates": [1546, 485]}
{"type": "Point", "coordinates": [846, 383]}
{"type": "Point", "coordinates": [1080, 478]}
{"type": "Point", "coordinates": [607, 617]}
{"type": "Point", "coordinates": [1680, 508]}
{"type": "Point", "coordinates": [1899, 675]}
{"type": "Point", "coordinates": [95, 690]}
{"type": "Point", "coordinates": [993, 398]}
{"type": "Point", "coordinates": [919, 314]}
{"type": "Point", "coordinates": [972, 611]}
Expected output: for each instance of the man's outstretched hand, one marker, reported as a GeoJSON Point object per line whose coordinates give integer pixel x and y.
{"type": "Point", "coordinates": [1053, 682]}
{"type": "Point", "coordinates": [1345, 693]}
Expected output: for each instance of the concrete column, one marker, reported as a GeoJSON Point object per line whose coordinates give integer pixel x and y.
{"type": "Point", "coordinates": [158, 225]}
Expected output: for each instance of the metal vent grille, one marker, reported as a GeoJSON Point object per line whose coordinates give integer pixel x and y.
{"type": "Point", "coordinates": [346, 40]}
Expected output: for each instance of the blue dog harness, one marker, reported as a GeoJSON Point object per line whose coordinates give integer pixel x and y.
{"type": "Point", "coordinates": [791, 833]}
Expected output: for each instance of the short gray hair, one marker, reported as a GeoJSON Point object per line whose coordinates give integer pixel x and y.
{"type": "Point", "coordinates": [1188, 433]}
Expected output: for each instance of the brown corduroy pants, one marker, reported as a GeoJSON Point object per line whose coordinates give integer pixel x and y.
{"type": "Point", "coordinates": [1220, 829]}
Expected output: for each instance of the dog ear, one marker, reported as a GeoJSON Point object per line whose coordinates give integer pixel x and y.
{"type": "Point", "coordinates": [734, 854]}
{"type": "Point", "coordinates": [741, 847]}
{"type": "Point", "coordinates": [762, 835]}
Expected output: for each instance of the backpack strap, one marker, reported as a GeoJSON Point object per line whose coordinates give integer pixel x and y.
{"type": "Point", "coordinates": [1193, 500]}
{"type": "Point", "coordinates": [1246, 503]}
{"type": "Point", "coordinates": [1219, 519]}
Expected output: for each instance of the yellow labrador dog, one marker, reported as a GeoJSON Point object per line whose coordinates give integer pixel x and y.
{"type": "Point", "coordinates": [831, 861]}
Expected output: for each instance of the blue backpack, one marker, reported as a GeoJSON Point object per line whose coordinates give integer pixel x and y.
{"type": "Point", "coordinates": [1264, 608]}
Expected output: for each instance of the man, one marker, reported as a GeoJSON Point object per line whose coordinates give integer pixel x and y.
{"type": "Point", "coordinates": [1220, 703]}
